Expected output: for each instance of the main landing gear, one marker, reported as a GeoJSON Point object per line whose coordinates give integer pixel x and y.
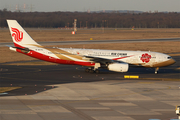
{"type": "Point", "coordinates": [91, 70]}
{"type": "Point", "coordinates": [156, 70]}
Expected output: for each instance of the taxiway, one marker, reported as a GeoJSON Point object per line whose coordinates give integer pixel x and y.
{"type": "Point", "coordinates": [67, 92]}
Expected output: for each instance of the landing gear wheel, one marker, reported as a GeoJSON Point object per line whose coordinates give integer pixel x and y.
{"type": "Point", "coordinates": [87, 70]}
{"type": "Point", "coordinates": [97, 71]}
{"type": "Point", "coordinates": [91, 71]}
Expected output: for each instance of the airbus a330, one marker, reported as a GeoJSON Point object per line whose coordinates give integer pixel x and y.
{"type": "Point", "coordinates": [113, 60]}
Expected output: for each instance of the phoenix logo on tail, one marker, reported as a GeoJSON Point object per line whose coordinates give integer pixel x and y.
{"type": "Point", "coordinates": [18, 35]}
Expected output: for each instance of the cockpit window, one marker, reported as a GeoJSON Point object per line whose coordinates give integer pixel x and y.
{"type": "Point", "coordinates": [169, 57]}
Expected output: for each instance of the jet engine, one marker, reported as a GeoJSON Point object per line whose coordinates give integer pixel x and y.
{"type": "Point", "coordinates": [118, 67]}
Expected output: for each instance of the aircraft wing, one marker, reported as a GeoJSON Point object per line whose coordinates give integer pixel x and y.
{"type": "Point", "coordinates": [100, 60]}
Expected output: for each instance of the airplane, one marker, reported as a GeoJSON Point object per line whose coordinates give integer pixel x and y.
{"type": "Point", "coordinates": [113, 60]}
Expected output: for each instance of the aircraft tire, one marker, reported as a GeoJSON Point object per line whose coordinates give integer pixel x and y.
{"type": "Point", "coordinates": [87, 70]}
{"type": "Point", "coordinates": [91, 71]}
{"type": "Point", "coordinates": [97, 71]}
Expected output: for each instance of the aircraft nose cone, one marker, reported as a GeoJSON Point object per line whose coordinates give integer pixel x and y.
{"type": "Point", "coordinates": [171, 61]}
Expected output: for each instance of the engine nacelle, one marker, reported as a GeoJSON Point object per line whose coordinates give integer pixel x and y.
{"type": "Point", "coordinates": [118, 67]}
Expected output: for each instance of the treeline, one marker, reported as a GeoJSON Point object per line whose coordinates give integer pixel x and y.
{"type": "Point", "coordinates": [92, 20]}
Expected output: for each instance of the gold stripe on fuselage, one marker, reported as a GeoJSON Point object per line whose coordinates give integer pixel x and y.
{"type": "Point", "coordinates": [60, 53]}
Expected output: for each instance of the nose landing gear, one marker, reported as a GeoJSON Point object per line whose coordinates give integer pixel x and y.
{"type": "Point", "coordinates": [156, 70]}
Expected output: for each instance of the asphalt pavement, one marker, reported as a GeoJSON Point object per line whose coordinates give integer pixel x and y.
{"type": "Point", "coordinates": [68, 92]}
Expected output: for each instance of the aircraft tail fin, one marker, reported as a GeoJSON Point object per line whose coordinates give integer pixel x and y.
{"type": "Point", "coordinates": [20, 37]}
